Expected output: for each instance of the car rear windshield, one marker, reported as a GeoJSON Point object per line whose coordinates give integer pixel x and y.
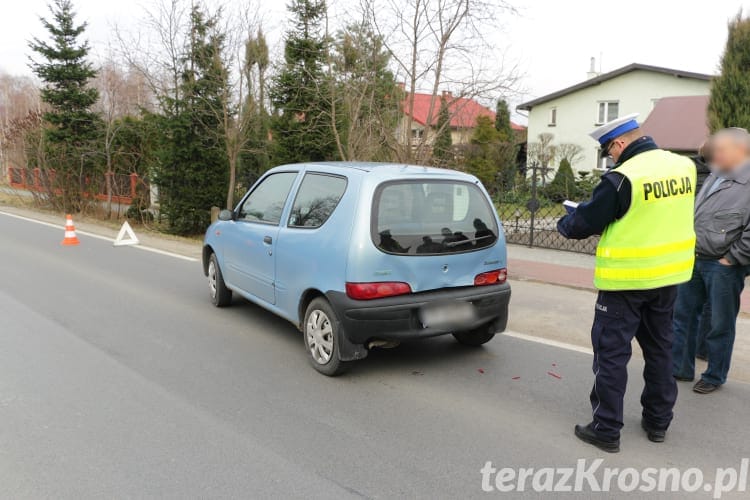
{"type": "Point", "coordinates": [432, 217]}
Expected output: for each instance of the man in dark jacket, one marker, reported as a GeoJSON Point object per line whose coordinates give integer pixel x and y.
{"type": "Point", "coordinates": [722, 226]}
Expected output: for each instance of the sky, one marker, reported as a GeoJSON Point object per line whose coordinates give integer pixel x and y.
{"type": "Point", "coordinates": [551, 41]}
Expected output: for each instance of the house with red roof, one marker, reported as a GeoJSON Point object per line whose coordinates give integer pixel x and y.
{"type": "Point", "coordinates": [463, 111]}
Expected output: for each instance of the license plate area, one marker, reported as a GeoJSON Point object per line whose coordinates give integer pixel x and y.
{"type": "Point", "coordinates": [446, 315]}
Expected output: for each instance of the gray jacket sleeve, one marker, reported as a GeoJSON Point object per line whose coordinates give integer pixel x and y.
{"type": "Point", "coordinates": [739, 252]}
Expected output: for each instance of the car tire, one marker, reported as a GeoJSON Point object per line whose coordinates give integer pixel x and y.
{"type": "Point", "coordinates": [322, 332]}
{"type": "Point", "coordinates": [478, 336]}
{"type": "Point", "coordinates": [221, 296]}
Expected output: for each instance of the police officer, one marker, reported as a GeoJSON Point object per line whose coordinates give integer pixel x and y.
{"type": "Point", "coordinates": [643, 209]}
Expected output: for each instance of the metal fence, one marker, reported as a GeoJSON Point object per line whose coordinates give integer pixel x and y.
{"type": "Point", "coordinates": [532, 220]}
{"type": "Point", "coordinates": [121, 187]}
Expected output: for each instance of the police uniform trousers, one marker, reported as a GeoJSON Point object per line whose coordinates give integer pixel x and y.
{"type": "Point", "coordinates": [620, 316]}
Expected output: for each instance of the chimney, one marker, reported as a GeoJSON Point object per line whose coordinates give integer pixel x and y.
{"type": "Point", "coordinates": [593, 73]}
{"type": "Point", "coordinates": [447, 95]}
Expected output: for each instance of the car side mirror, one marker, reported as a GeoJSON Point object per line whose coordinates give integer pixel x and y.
{"type": "Point", "coordinates": [226, 215]}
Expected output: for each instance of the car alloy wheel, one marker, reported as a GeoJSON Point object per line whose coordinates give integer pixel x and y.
{"type": "Point", "coordinates": [221, 296]}
{"type": "Point", "coordinates": [319, 333]}
{"type": "Point", "coordinates": [212, 278]}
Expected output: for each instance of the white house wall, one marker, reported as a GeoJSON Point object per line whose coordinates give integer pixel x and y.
{"type": "Point", "coordinates": [577, 112]}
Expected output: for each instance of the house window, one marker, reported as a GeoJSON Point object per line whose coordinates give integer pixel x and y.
{"type": "Point", "coordinates": [608, 111]}
{"type": "Point", "coordinates": [417, 133]}
{"type": "Point", "coordinates": [552, 117]}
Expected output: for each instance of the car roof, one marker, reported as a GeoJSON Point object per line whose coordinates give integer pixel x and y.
{"type": "Point", "coordinates": [381, 169]}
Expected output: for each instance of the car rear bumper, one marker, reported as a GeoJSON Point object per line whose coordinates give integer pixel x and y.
{"type": "Point", "coordinates": [397, 318]}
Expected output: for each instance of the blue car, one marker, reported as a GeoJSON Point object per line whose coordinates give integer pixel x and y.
{"type": "Point", "coordinates": [362, 255]}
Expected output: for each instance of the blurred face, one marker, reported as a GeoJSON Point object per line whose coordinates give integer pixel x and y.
{"type": "Point", "coordinates": [728, 153]}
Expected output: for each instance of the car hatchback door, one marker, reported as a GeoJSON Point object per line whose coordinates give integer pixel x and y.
{"type": "Point", "coordinates": [249, 251]}
{"type": "Point", "coordinates": [432, 234]}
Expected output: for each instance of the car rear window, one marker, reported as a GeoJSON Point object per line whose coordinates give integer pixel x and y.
{"type": "Point", "coordinates": [432, 217]}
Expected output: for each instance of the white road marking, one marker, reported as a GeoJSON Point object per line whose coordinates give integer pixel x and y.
{"type": "Point", "coordinates": [572, 347]}
{"type": "Point", "coordinates": [100, 237]}
{"type": "Point", "coordinates": [161, 252]}
{"type": "Point", "coordinates": [551, 343]}
{"type": "Point", "coordinates": [48, 224]}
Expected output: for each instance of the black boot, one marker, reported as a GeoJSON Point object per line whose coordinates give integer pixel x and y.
{"type": "Point", "coordinates": [654, 435]}
{"type": "Point", "coordinates": [588, 435]}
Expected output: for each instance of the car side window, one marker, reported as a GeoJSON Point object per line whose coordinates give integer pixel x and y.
{"type": "Point", "coordinates": [266, 203]}
{"type": "Point", "coordinates": [317, 198]}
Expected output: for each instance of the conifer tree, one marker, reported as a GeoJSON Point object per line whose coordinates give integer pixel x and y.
{"type": "Point", "coordinates": [72, 126]}
{"type": "Point", "coordinates": [563, 185]}
{"type": "Point", "coordinates": [364, 97]}
{"type": "Point", "coordinates": [729, 105]}
{"type": "Point", "coordinates": [442, 148]}
{"type": "Point", "coordinates": [482, 160]}
{"type": "Point", "coordinates": [502, 121]}
{"type": "Point", "coordinates": [302, 131]}
{"type": "Point", "coordinates": [508, 149]}
{"type": "Point", "coordinates": [193, 172]}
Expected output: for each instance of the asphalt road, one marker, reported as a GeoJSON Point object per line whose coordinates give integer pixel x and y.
{"type": "Point", "coordinates": [119, 379]}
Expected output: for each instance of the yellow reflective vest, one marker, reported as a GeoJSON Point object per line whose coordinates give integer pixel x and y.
{"type": "Point", "coordinates": [653, 245]}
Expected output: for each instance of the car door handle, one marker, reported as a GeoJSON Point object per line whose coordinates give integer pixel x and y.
{"type": "Point", "coordinates": [267, 240]}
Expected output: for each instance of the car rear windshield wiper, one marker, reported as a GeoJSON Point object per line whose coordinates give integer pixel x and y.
{"type": "Point", "coordinates": [464, 242]}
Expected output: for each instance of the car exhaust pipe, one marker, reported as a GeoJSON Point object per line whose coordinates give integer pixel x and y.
{"type": "Point", "coordinates": [383, 344]}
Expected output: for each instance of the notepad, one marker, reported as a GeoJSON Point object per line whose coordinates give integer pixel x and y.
{"type": "Point", "coordinates": [570, 206]}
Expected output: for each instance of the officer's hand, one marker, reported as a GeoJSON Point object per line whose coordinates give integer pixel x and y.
{"type": "Point", "coordinates": [724, 262]}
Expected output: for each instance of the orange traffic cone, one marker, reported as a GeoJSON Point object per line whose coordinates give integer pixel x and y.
{"type": "Point", "coordinates": [70, 232]}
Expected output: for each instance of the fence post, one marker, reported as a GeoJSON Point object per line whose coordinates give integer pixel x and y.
{"type": "Point", "coordinates": [533, 204]}
{"type": "Point", "coordinates": [215, 214]}
{"type": "Point", "coordinates": [133, 184]}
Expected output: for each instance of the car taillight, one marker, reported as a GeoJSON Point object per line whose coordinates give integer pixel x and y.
{"type": "Point", "coordinates": [369, 291]}
{"type": "Point", "coordinates": [495, 277]}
